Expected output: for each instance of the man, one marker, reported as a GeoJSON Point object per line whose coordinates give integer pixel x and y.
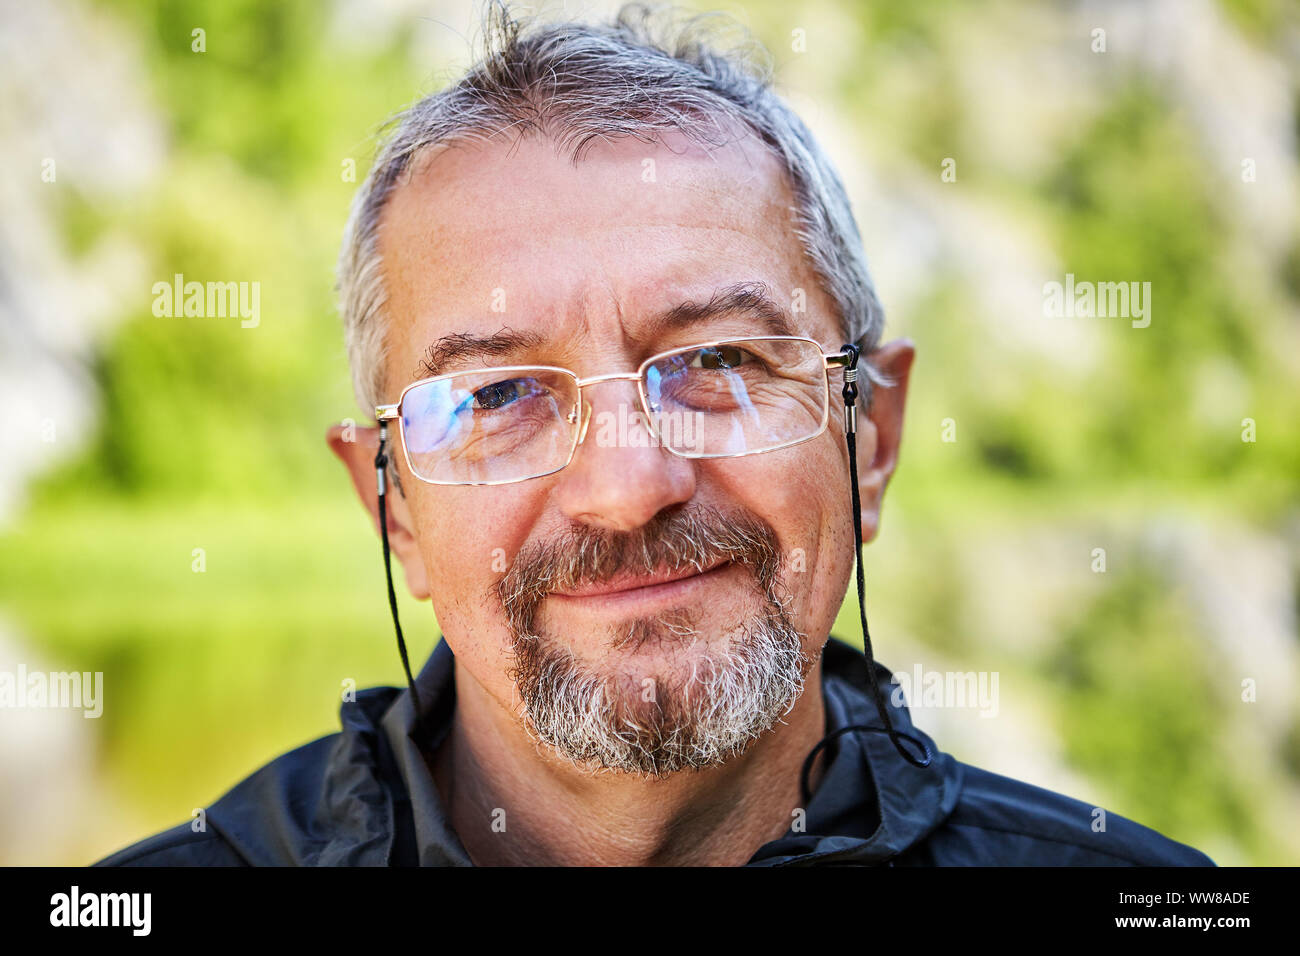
{"type": "Point", "coordinates": [597, 293]}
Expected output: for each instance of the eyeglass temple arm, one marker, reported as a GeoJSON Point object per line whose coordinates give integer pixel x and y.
{"type": "Point", "coordinates": [847, 359]}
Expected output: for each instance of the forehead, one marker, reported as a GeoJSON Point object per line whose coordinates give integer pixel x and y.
{"type": "Point", "coordinates": [514, 233]}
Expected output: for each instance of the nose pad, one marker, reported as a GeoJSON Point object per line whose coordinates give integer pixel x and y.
{"type": "Point", "coordinates": [583, 408]}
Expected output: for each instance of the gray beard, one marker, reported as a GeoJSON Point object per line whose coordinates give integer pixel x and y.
{"type": "Point", "coordinates": [652, 725]}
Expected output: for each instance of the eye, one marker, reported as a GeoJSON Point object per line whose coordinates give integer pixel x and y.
{"type": "Point", "coordinates": [720, 357]}
{"type": "Point", "coordinates": [500, 394]}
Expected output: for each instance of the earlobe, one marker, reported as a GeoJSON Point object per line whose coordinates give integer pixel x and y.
{"type": "Point", "coordinates": [870, 488]}
{"type": "Point", "coordinates": [870, 522]}
{"type": "Point", "coordinates": [356, 448]}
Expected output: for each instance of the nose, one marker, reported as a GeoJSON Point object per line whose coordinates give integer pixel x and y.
{"type": "Point", "coordinates": [620, 477]}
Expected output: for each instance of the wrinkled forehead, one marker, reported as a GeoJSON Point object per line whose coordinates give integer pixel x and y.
{"type": "Point", "coordinates": [517, 234]}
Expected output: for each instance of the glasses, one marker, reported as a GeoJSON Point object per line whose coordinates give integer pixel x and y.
{"type": "Point", "coordinates": [719, 399]}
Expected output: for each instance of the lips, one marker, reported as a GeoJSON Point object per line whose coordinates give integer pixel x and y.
{"type": "Point", "coordinates": [631, 585]}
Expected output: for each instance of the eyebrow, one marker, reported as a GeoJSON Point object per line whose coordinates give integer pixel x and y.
{"type": "Point", "coordinates": [459, 346]}
{"type": "Point", "coordinates": [751, 299]}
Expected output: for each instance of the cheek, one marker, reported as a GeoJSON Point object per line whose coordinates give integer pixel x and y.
{"type": "Point", "coordinates": [468, 541]}
{"type": "Point", "coordinates": [468, 536]}
{"type": "Point", "coordinates": [803, 493]}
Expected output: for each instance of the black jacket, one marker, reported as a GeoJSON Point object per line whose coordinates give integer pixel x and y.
{"type": "Point", "coordinates": [364, 797]}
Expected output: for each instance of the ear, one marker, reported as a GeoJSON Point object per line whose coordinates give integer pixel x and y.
{"type": "Point", "coordinates": [356, 447]}
{"type": "Point", "coordinates": [878, 443]}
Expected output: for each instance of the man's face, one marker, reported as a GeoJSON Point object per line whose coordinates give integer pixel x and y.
{"type": "Point", "coordinates": [587, 259]}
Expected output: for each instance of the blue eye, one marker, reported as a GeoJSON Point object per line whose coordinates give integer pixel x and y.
{"type": "Point", "coordinates": [500, 394]}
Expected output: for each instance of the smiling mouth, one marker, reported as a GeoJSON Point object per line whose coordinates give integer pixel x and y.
{"type": "Point", "coordinates": [638, 587]}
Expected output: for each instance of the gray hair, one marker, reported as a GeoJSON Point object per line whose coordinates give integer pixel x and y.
{"type": "Point", "coordinates": [579, 84]}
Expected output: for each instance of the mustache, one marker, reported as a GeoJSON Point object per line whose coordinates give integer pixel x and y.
{"type": "Point", "coordinates": [675, 540]}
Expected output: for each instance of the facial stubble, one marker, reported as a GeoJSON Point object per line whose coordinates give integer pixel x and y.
{"type": "Point", "coordinates": [702, 708]}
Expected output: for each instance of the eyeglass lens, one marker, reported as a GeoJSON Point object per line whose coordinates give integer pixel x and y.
{"type": "Point", "coordinates": [735, 398]}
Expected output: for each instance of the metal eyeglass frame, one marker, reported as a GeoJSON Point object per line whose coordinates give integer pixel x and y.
{"type": "Point", "coordinates": [846, 358]}
{"type": "Point", "coordinates": [393, 412]}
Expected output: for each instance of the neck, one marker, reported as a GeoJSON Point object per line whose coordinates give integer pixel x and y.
{"type": "Point", "coordinates": [512, 801]}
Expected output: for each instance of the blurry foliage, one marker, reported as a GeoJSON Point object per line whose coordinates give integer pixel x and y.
{"type": "Point", "coordinates": [212, 435]}
{"type": "Point", "coordinates": [1123, 687]}
{"type": "Point", "coordinates": [1132, 202]}
{"type": "Point", "coordinates": [207, 675]}
{"type": "Point", "coordinates": [1262, 19]}
{"type": "Point", "coordinates": [260, 124]}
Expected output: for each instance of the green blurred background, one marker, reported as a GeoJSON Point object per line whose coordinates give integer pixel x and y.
{"type": "Point", "coordinates": [128, 440]}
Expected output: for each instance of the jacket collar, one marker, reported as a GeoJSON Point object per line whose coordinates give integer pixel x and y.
{"type": "Point", "coordinates": [437, 842]}
{"type": "Point", "coordinates": [870, 805]}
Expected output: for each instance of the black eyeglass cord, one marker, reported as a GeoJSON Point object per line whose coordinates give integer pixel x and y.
{"type": "Point", "coordinates": [381, 482]}
{"type": "Point", "coordinates": [850, 394]}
